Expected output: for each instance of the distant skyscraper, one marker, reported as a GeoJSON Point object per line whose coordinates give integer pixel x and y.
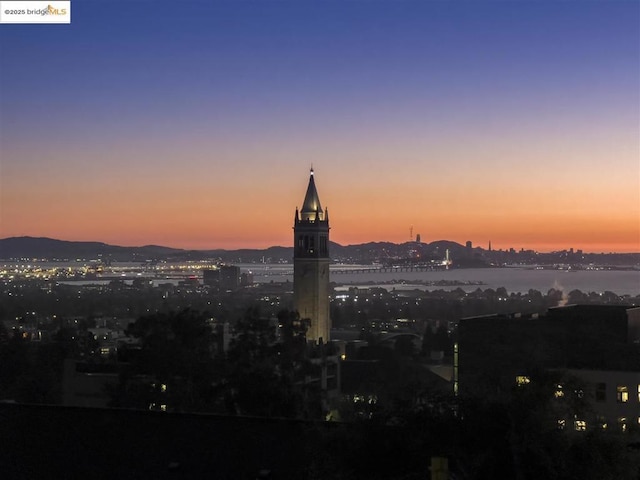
{"type": "Point", "coordinates": [311, 264]}
{"type": "Point", "coordinates": [229, 277]}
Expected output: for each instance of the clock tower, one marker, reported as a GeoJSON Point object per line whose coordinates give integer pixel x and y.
{"type": "Point", "coordinates": [311, 264]}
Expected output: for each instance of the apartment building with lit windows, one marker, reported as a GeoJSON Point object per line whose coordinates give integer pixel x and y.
{"type": "Point", "coordinates": [614, 397]}
{"type": "Point", "coordinates": [596, 346]}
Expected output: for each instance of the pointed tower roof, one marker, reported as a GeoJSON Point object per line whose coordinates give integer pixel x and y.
{"type": "Point", "coordinates": [311, 204]}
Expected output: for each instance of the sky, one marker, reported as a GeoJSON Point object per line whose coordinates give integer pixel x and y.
{"type": "Point", "coordinates": [194, 124]}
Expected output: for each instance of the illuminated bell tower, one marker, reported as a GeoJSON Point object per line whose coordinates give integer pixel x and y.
{"type": "Point", "coordinates": [311, 264]}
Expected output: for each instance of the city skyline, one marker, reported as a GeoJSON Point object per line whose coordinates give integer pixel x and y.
{"type": "Point", "coordinates": [490, 121]}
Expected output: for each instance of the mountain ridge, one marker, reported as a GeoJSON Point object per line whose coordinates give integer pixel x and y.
{"type": "Point", "coordinates": [45, 248]}
{"type": "Point", "coordinates": [56, 249]}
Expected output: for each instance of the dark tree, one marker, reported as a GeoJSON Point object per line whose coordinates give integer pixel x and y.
{"type": "Point", "coordinates": [267, 378]}
{"type": "Point", "coordinates": [441, 340]}
{"type": "Point", "coordinates": [173, 365]}
{"type": "Point", "coordinates": [428, 340]}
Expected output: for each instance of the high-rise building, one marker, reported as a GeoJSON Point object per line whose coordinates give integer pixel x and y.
{"type": "Point", "coordinates": [229, 277]}
{"type": "Point", "coordinates": [226, 277]}
{"type": "Point", "coordinates": [311, 264]}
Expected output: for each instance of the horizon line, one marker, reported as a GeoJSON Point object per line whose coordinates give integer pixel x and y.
{"type": "Point", "coordinates": [341, 245]}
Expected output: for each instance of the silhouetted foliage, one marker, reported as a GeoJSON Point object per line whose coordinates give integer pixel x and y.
{"type": "Point", "coordinates": [173, 364]}
{"type": "Point", "coordinates": [176, 366]}
{"type": "Point", "coordinates": [30, 373]}
{"type": "Point", "coordinates": [267, 378]}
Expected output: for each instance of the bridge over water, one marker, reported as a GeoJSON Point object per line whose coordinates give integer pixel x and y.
{"type": "Point", "coordinates": [351, 269]}
{"type": "Point", "coordinates": [386, 269]}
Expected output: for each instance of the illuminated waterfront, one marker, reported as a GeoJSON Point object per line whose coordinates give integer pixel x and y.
{"type": "Point", "coordinates": [622, 282]}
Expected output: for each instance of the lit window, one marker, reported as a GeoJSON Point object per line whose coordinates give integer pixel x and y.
{"type": "Point", "coordinates": [559, 393]}
{"type": "Point", "coordinates": [561, 424]}
{"type": "Point", "coordinates": [580, 425]}
{"type": "Point", "coordinates": [163, 407]}
{"type": "Point", "coordinates": [522, 380]}
{"type": "Point", "coordinates": [163, 387]}
{"type": "Point", "coordinates": [622, 423]}
{"type": "Point", "coordinates": [622, 394]}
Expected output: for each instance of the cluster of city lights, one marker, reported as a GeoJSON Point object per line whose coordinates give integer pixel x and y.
{"type": "Point", "coordinates": [98, 270]}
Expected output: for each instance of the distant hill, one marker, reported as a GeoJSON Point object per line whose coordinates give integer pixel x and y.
{"type": "Point", "coordinates": [43, 248]}
{"type": "Point", "coordinates": [52, 249]}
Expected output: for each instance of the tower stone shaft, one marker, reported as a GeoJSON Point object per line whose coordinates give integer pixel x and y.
{"type": "Point", "coordinates": [311, 265]}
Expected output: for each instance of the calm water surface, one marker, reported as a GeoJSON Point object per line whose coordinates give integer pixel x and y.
{"type": "Point", "coordinates": [622, 282]}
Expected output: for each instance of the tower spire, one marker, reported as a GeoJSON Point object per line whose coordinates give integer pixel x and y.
{"type": "Point", "coordinates": [311, 204]}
